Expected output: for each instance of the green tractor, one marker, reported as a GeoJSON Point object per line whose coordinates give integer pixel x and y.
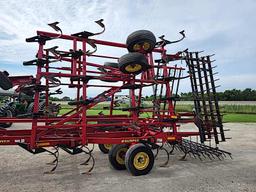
{"type": "Point", "coordinates": [20, 102]}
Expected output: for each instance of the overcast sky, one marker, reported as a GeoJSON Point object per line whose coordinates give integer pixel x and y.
{"type": "Point", "coordinates": [226, 28]}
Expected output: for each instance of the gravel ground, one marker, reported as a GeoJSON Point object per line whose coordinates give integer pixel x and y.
{"type": "Point", "coordinates": [21, 171]}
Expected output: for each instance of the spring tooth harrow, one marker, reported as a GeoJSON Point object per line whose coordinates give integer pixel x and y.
{"type": "Point", "coordinates": [130, 137]}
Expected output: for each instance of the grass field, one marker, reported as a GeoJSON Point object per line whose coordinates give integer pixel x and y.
{"type": "Point", "coordinates": [239, 118]}
{"type": "Point", "coordinates": [241, 109]}
{"type": "Point", "coordinates": [232, 113]}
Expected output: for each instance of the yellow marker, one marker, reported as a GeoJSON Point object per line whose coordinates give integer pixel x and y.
{"type": "Point", "coordinates": [129, 140]}
{"type": "Point", "coordinates": [43, 144]}
{"type": "Point", "coordinates": [171, 138]}
{"type": "Point", "coordinates": [4, 141]}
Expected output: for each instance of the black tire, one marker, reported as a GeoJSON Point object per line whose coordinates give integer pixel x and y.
{"type": "Point", "coordinates": [133, 63]}
{"type": "Point", "coordinates": [139, 159]}
{"type": "Point", "coordinates": [141, 41]}
{"type": "Point", "coordinates": [8, 113]}
{"type": "Point", "coordinates": [116, 156]}
{"type": "Point", "coordinates": [105, 148]}
{"type": "Point", "coordinates": [110, 64]}
{"type": "Point", "coordinates": [5, 82]}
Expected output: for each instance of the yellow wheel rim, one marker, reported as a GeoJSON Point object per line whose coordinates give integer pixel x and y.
{"type": "Point", "coordinates": [136, 47]}
{"type": "Point", "coordinates": [108, 146]}
{"type": "Point", "coordinates": [141, 161]}
{"type": "Point", "coordinates": [120, 156]}
{"type": "Point", "coordinates": [133, 68]}
{"type": "Point", "coordinates": [146, 46]}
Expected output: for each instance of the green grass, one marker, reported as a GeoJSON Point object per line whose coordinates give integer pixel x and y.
{"type": "Point", "coordinates": [233, 113]}
{"type": "Point", "coordinates": [242, 109]}
{"type": "Point", "coordinates": [239, 118]}
{"type": "Point", "coordinates": [183, 108]}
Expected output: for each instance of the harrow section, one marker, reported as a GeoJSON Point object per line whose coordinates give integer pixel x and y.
{"type": "Point", "coordinates": [142, 127]}
{"type": "Point", "coordinates": [201, 151]}
{"type": "Point", "coordinates": [208, 117]}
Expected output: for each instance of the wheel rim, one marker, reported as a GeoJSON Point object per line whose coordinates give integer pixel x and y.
{"type": "Point", "coordinates": [141, 161]}
{"type": "Point", "coordinates": [108, 146]}
{"type": "Point", "coordinates": [136, 47]}
{"type": "Point", "coordinates": [146, 46]}
{"type": "Point", "coordinates": [120, 156]}
{"type": "Point", "coordinates": [133, 68]}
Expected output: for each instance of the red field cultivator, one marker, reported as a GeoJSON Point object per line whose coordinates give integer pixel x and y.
{"type": "Point", "coordinates": [131, 137]}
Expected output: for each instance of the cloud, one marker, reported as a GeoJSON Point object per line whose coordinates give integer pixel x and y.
{"type": "Point", "coordinates": [6, 36]}
{"type": "Point", "coordinates": [238, 81]}
{"type": "Point", "coordinates": [221, 27]}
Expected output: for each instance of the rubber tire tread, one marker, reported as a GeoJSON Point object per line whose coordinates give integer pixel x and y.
{"type": "Point", "coordinates": [130, 154]}
{"type": "Point", "coordinates": [133, 58]}
{"type": "Point", "coordinates": [139, 36]}
{"type": "Point", "coordinates": [112, 157]}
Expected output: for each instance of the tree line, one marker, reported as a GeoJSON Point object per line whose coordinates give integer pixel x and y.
{"type": "Point", "coordinates": [228, 95]}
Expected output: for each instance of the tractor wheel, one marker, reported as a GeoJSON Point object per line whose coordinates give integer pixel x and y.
{"type": "Point", "coordinates": [105, 148]}
{"type": "Point", "coordinates": [141, 41]}
{"type": "Point", "coordinates": [5, 82]}
{"type": "Point", "coordinates": [8, 113]}
{"type": "Point", "coordinates": [133, 63]}
{"type": "Point", "coordinates": [139, 159]}
{"type": "Point", "coordinates": [117, 156]}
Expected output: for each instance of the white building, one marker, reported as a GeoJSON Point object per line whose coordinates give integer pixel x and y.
{"type": "Point", "coordinates": [122, 98]}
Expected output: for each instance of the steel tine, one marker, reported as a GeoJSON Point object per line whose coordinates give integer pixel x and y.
{"type": "Point", "coordinates": [224, 154]}
{"type": "Point", "coordinates": [168, 157]}
{"type": "Point", "coordinates": [183, 158]}
{"type": "Point", "coordinates": [55, 161]}
{"type": "Point", "coordinates": [218, 156]}
{"type": "Point", "coordinates": [157, 151]}
{"type": "Point", "coordinates": [179, 148]}
{"type": "Point", "coordinates": [93, 164]}
{"type": "Point", "coordinates": [173, 146]}
{"type": "Point", "coordinates": [88, 159]}
{"type": "Point", "coordinates": [56, 154]}
{"type": "Point", "coordinates": [199, 157]}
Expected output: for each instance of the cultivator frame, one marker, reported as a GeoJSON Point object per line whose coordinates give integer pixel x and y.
{"type": "Point", "coordinates": [74, 130]}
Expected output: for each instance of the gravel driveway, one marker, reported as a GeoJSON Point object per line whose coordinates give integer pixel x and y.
{"type": "Point", "coordinates": [21, 171]}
